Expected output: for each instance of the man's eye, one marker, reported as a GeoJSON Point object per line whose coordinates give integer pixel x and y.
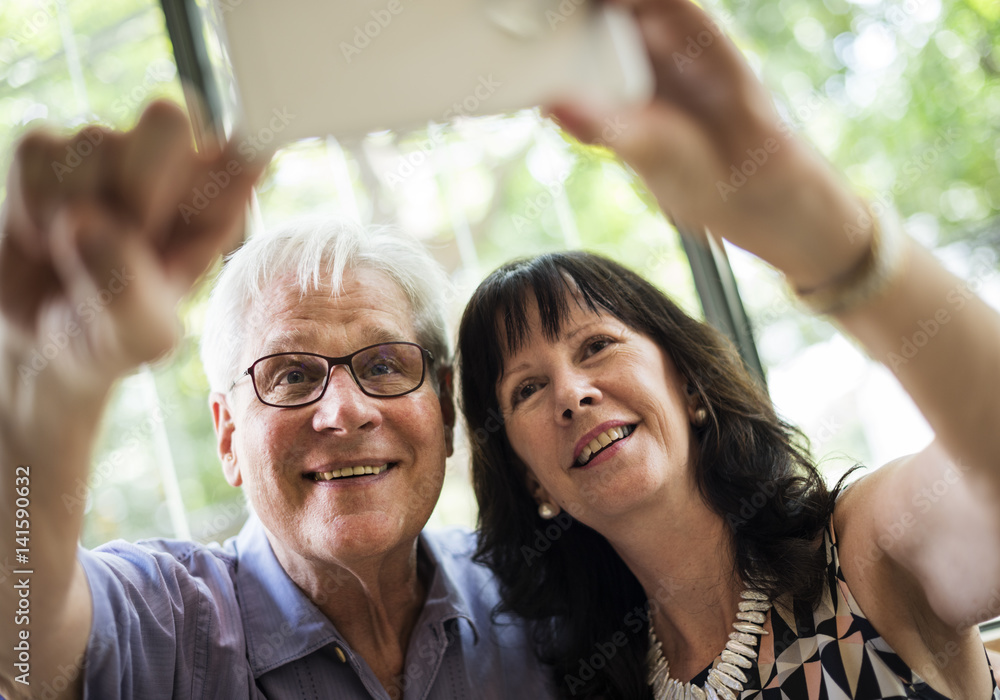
{"type": "Point", "coordinates": [296, 376]}
{"type": "Point", "coordinates": [379, 369]}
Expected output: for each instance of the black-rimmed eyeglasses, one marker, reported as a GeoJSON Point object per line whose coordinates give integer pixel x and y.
{"type": "Point", "coordinates": [293, 379]}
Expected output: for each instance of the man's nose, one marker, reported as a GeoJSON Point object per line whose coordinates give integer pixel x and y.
{"type": "Point", "coordinates": [344, 407]}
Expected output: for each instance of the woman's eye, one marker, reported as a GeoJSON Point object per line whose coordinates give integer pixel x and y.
{"type": "Point", "coordinates": [523, 392]}
{"type": "Point", "coordinates": [595, 345]}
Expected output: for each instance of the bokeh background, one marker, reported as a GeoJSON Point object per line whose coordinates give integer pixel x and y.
{"type": "Point", "coordinates": [904, 96]}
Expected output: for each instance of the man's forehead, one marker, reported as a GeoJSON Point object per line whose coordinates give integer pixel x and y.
{"type": "Point", "coordinates": [370, 309]}
{"type": "Point", "coordinates": [314, 337]}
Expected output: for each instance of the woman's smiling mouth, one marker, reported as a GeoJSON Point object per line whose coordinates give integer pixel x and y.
{"type": "Point", "coordinates": [601, 442]}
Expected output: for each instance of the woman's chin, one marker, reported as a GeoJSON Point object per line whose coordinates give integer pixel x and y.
{"type": "Point", "coordinates": [617, 497]}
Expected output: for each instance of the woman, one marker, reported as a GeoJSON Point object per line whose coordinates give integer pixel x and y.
{"type": "Point", "coordinates": [640, 494]}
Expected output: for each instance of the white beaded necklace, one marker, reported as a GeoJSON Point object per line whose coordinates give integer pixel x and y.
{"type": "Point", "coordinates": [726, 679]}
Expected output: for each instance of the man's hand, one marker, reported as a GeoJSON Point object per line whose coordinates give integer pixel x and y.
{"type": "Point", "coordinates": [96, 255]}
{"type": "Point", "coordinates": [102, 234]}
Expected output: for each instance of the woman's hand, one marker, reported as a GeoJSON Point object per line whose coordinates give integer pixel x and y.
{"type": "Point", "coordinates": [714, 152]}
{"type": "Point", "coordinates": [102, 234]}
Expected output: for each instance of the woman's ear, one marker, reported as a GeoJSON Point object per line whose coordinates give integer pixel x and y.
{"type": "Point", "coordinates": [696, 410]}
{"type": "Point", "coordinates": [547, 506]}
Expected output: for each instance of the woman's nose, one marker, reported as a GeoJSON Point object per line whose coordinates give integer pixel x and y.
{"type": "Point", "coordinates": [576, 393]}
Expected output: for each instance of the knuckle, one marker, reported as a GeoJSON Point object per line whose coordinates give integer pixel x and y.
{"type": "Point", "coordinates": [33, 147]}
{"type": "Point", "coordinates": [163, 114]}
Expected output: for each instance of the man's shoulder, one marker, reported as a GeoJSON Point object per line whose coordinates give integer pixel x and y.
{"type": "Point", "coordinates": [453, 547]}
{"type": "Point", "coordinates": [454, 541]}
{"type": "Point", "coordinates": [158, 559]}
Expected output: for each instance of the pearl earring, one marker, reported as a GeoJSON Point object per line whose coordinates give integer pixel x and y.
{"type": "Point", "coordinates": [547, 511]}
{"type": "Point", "coordinates": [700, 416]}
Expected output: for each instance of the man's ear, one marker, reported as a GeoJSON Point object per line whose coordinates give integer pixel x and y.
{"type": "Point", "coordinates": [222, 421]}
{"type": "Point", "coordinates": [446, 397]}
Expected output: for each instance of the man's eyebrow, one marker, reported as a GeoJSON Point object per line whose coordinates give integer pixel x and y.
{"type": "Point", "coordinates": [375, 335]}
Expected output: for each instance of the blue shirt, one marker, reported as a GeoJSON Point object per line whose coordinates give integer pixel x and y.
{"type": "Point", "coordinates": [182, 620]}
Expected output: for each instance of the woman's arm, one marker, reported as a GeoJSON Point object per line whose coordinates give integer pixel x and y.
{"type": "Point", "coordinates": [709, 117]}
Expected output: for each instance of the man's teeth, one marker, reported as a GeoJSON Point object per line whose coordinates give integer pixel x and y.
{"type": "Point", "coordinates": [349, 471]}
{"type": "Point", "coordinates": [602, 441]}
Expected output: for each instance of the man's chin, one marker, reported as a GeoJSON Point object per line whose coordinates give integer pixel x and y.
{"type": "Point", "coordinates": [362, 536]}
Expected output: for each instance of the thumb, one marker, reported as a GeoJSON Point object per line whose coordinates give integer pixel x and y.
{"type": "Point", "coordinates": [670, 151]}
{"type": "Point", "coordinates": [648, 137]}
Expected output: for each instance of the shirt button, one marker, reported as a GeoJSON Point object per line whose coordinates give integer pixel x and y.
{"type": "Point", "coordinates": [340, 655]}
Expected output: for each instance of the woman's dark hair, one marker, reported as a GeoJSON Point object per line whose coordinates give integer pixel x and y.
{"type": "Point", "coordinates": [589, 613]}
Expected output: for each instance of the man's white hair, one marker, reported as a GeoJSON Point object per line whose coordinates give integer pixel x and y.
{"type": "Point", "coordinates": [317, 252]}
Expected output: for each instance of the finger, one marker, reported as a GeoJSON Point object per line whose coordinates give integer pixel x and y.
{"type": "Point", "coordinates": [48, 171]}
{"type": "Point", "coordinates": [24, 220]}
{"type": "Point", "coordinates": [671, 151]}
{"type": "Point", "coordinates": [153, 169]}
{"type": "Point", "coordinates": [25, 281]}
{"type": "Point", "coordinates": [697, 66]}
{"type": "Point", "coordinates": [114, 290]}
{"type": "Point", "coordinates": [211, 216]}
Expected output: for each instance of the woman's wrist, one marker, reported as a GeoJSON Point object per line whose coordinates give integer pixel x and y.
{"type": "Point", "coordinates": [876, 272]}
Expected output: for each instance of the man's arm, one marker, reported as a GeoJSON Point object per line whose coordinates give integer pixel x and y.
{"type": "Point", "coordinates": [113, 234]}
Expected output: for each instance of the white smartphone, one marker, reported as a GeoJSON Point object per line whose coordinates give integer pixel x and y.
{"type": "Point", "coordinates": [349, 67]}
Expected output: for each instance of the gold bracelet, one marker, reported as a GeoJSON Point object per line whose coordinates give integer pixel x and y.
{"type": "Point", "coordinates": [881, 266]}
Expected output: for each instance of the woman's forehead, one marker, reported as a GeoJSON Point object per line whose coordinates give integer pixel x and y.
{"type": "Point", "coordinates": [519, 328]}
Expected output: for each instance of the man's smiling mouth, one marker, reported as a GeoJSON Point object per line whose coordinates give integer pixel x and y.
{"type": "Point", "coordinates": [602, 442]}
{"type": "Point", "coordinates": [350, 472]}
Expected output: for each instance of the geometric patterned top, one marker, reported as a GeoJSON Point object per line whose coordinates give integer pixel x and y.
{"type": "Point", "coordinates": [831, 652]}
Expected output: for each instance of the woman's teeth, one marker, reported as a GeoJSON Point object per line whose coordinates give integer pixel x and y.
{"type": "Point", "coordinates": [603, 440]}
{"type": "Point", "coordinates": [349, 471]}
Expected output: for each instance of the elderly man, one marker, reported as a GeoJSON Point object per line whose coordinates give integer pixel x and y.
{"type": "Point", "coordinates": [328, 360]}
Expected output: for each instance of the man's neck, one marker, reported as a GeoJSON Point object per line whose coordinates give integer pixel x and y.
{"type": "Point", "coordinates": [373, 603]}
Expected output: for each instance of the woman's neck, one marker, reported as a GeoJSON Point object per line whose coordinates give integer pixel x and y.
{"type": "Point", "coordinates": [682, 557]}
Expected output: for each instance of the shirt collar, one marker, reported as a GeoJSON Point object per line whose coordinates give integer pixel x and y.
{"type": "Point", "coordinates": [446, 600]}
{"type": "Point", "coordinates": [282, 624]}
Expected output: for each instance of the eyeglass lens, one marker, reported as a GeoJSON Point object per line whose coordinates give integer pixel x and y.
{"type": "Point", "coordinates": [383, 370]}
